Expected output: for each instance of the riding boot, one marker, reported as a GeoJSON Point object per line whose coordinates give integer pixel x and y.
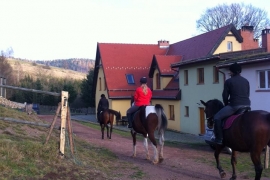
{"type": "Point", "coordinates": [129, 117]}
{"type": "Point", "coordinates": [218, 132]}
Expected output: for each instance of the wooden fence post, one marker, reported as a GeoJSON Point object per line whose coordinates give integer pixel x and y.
{"type": "Point", "coordinates": [64, 107]}
{"type": "Point", "coordinates": [70, 131]}
{"type": "Point", "coordinates": [54, 120]}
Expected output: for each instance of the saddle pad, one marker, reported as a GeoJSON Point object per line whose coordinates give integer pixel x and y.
{"type": "Point", "coordinates": [149, 109]}
{"type": "Point", "coordinates": [229, 121]}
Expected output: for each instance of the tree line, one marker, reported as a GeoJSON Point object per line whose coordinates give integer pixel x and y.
{"type": "Point", "coordinates": [79, 90]}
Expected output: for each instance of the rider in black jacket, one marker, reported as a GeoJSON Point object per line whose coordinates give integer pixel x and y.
{"type": "Point", "coordinates": [102, 105]}
{"type": "Point", "coordinates": [235, 95]}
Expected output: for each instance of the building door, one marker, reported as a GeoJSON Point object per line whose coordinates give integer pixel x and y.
{"type": "Point", "coordinates": [202, 120]}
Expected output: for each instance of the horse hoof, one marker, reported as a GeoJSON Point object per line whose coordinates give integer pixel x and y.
{"type": "Point", "coordinates": [155, 162]}
{"type": "Point", "coordinates": [222, 174]}
{"type": "Point", "coordinates": [233, 178]}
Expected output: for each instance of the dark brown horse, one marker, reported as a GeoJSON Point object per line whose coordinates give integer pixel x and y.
{"type": "Point", "coordinates": [107, 117]}
{"type": "Point", "coordinates": [145, 122]}
{"type": "Point", "coordinates": [250, 132]}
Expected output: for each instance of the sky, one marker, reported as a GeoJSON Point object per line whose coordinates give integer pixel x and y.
{"type": "Point", "coordinates": [61, 29]}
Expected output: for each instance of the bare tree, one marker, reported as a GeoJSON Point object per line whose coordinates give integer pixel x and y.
{"type": "Point", "coordinates": [237, 14]}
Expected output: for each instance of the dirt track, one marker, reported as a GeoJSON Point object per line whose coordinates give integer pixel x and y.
{"type": "Point", "coordinates": [182, 162]}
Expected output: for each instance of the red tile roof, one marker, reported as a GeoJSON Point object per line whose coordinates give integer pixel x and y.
{"type": "Point", "coordinates": [121, 59]}
{"type": "Point", "coordinates": [164, 63]}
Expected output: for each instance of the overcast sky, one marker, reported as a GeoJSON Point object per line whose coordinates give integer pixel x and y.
{"type": "Point", "coordinates": [60, 29]}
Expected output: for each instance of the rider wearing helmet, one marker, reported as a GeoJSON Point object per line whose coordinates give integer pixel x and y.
{"type": "Point", "coordinates": [235, 95]}
{"type": "Point", "coordinates": [103, 104]}
{"type": "Point", "coordinates": [142, 97]}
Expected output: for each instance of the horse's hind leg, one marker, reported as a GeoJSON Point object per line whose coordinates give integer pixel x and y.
{"type": "Point", "coordinates": [161, 142]}
{"type": "Point", "coordinates": [133, 134]}
{"type": "Point", "coordinates": [256, 159]}
{"type": "Point", "coordinates": [145, 143]}
{"type": "Point", "coordinates": [154, 145]}
{"type": "Point", "coordinates": [233, 163]}
{"type": "Point", "coordinates": [111, 127]}
{"type": "Point", "coordinates": [107, 131]}
{"type": "Point", "coordinates": [102, 131]}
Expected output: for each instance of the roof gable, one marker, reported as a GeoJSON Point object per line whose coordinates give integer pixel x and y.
{"type": "Point", "coordinates": [163, 64]}
{"type": "Point", "coordinates": [203, 45]}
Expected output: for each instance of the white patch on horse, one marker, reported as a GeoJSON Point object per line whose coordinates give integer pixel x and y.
{"type": "Point", "coordinates": [149, 109]}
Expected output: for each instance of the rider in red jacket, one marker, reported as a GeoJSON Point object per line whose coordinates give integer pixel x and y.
{"type": "Point", "coordinates": [142, 97]}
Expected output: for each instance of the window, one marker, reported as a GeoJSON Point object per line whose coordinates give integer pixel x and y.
{"type": "Point", "coordinates": [99, 82]}
{"type": "Point", "coordinates": [200, 72]}
{"type": "Point", "coordinates": [130, 79]}
{"type": "Point", "coordinates": [186, 111]}
{"type": "Point", "coordinates": [185, 77]}
{"type": "Point", "coordinates": [157, 81]}
{"type": "Point", "coordinates": [171, 113]}
{"type": "Point", "coordinates": [105, 87]}
{"type": "Point", "coordinates": [264, 79]}
{"type": "Point", "coordinates": [215, 74]}
{"type": "Point", "coordinates": [229, 46]}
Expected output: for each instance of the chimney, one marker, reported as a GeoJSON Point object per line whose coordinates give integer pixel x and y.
{"type": "Point", "coordinates": [248, 38]}
{"type": "Point", "coordinates": [266, 39]}
{"type": "Point", "coordinates": [163, 44]}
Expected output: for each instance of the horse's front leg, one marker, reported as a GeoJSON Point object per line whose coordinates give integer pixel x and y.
{"type": "Point", "coordinates": [145, 143]}
{"type": "Point", "coordinates": [217, 152]}
{"type": "Point", "coordinates": [233, 163]}
{"type": "Point", "coordinates": [133, 134]}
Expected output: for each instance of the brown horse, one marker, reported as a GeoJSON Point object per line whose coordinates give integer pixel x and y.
{"type": "Point", "coordinates": [250, 132]}
{"type": "Point", "coordinates": [145, 122]}
{"type": "Point", "coordinates": [107, 117]}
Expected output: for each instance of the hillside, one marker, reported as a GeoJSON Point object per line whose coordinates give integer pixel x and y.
{"type": "Point", "coordinates": [75, 64]}
{"type": "Point", "coordinates": [23, 67]}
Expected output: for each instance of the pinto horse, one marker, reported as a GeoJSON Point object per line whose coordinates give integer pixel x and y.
{"type": "Point", "coordinates": [250, 132]}
{"type": "Point", "coordinates": [146, 120]}
{"type": "Point", "coordinates": [107, 117]}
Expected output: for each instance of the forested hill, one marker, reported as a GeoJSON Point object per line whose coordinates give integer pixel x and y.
{"type": "Point", "coordinates": [75, 64]}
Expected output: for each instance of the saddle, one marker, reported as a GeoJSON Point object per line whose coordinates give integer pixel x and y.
{"type": "Point", "coordinates": [229, 121]}
{"type": "Point", "coordinates": [145, 111]}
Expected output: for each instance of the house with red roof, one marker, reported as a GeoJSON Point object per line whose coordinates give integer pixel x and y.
{"type": "Point", "coordinates": [179, 74]}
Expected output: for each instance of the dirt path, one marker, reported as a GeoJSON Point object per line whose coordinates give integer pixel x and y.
{"type": "Point", "coordinates": [182, 162]}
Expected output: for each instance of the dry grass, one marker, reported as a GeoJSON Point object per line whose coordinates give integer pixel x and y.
{"type": "Point", "coordinates": [22, 68]}
{"type": "Point", "coordinates": [23, 154]}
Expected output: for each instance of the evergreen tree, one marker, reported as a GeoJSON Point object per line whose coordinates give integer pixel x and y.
{"type": "Point", "coordinates": [86, 90]}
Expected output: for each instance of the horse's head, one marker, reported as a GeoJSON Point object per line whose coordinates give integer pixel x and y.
{"type": "Point", "coordinates": [211, 108]}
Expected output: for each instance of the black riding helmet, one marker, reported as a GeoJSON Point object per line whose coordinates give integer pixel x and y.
{"type": "Point", "coordinates": [102, 95]}
{"type": "Point", "coordinates": [235, 68]}
{"type": "Point", "coordinates": [143, 80]}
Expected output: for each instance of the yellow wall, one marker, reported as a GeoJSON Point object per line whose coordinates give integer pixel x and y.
{"type": "Point", "coordinates": [172, 124]}
{"type": "Point", "coordinates": [102, 91]}
{"type": "Point", "coordinates": [223, 45]}
{"type": "Point", "coordinates": [164, 81]}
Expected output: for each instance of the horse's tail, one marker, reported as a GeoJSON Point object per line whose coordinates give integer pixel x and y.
{"type": "Point", "coordinates": [268, 120]}
{"type": "Point", "coordinates": [162, 119]}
